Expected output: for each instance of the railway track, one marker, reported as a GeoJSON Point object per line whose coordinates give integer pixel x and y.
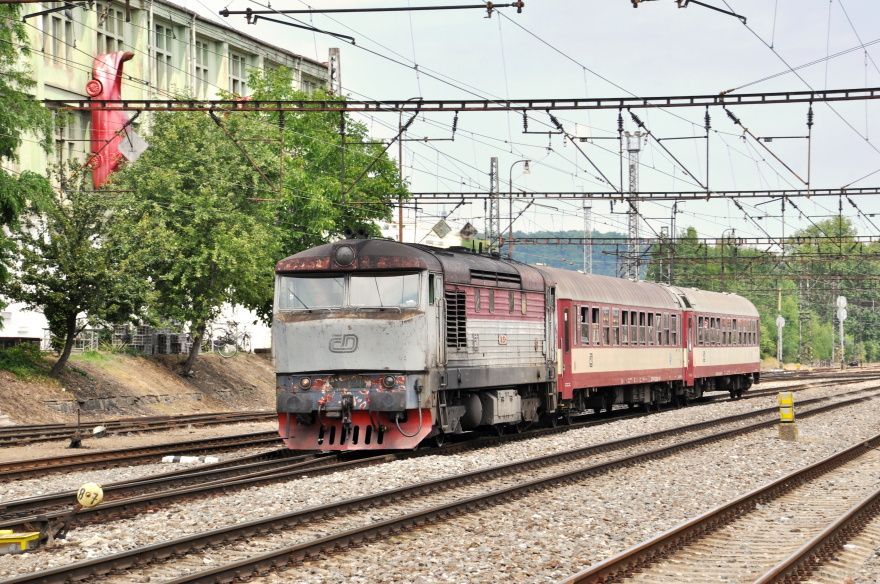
{"type": "Point", "coordinates": [780, 529]}
{"type": "Point", "coordinates": [51, 513]}
{"type": "Point", "coordinates": [344, 522]}
{"type": "Point", "coordinates": [36, 467]}
{"type": "Point", "coordinates": [28, 434]}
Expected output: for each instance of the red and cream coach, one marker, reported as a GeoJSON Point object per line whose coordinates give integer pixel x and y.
{"type": "Point", "coordinates": [380, 345]}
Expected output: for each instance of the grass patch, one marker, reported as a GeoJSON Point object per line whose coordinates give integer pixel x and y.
{"type": "Point", "coordinates": [24, 361]}
{"type": "Point", "coordinates": [91, 357]}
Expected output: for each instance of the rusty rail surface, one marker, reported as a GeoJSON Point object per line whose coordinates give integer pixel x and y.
{"type": "Point", "coordinates": [126, 498]}
{"type": "Point", "coordinates": [242, 569]}
{"type": "Point", "coordinates": [805, 560]}
{"type": "Point", "coordinates": [626, 563]}
{"type": "Point", "coordinates": [30, 433]}
{"type": "Point", "coordinates": [36, 467]}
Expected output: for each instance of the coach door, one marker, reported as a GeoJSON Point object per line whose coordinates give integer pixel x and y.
{"type": "Point", "coordinates": [689, 339]}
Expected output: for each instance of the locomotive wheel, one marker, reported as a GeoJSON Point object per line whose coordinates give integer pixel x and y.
{"type": "Point", "coordinates": [499, 429]}
{"type": "Point", "coordinates": [439, 440]}
{"type": "Point", "coordinates": [522, 427]}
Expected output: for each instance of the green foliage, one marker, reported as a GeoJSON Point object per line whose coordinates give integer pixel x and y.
{"type": "Point", "coordinates": [71, 267]}
{"type": "Point", "coordinates": [20, 113]}
{"type": "Point", "coordinates": [808, 282]}
{"type": "Point", "coordinates": [217, 201]}
{"type": "Point", "coordinates": [24, 361]}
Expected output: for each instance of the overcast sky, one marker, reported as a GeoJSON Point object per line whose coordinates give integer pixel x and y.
{"type": "Point", "coordinates": [654, 50]}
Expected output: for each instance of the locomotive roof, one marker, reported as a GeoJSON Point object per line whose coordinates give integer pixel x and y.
{"type": "Point", "coordinates": [459, 266]}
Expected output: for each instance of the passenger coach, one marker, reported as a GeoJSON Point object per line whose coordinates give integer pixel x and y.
{"type": "Point", "coordinates": [379, 345]}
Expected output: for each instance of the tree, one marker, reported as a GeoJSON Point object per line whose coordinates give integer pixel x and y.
{"type": "Point", "coordinates": [218, 199]}
{"type": "Point", "coordinates": [70, 266]}
{"type": "Point", "coordinates": [20, 113]}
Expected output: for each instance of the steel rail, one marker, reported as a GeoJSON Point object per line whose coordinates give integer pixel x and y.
{"type": "Point", "coordinates": [27, 434]}
{"type": "Point", "coordinates": [805, 560]}
{"type": "Point", "coordinates": [43, 514]}
{"type": "Point", "coordinates": [131, 558]}
{"type": "Point", "coordinates": [646, 552]}
{"type": "Point", "coordinates": [38, 466]}
{"type": "Point", "coordinates": [468, 105]}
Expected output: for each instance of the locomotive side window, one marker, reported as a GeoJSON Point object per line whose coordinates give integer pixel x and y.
{"type": "Point", "coordinates": [431, 289]}
{"type": "Point", "coordinates": [624, 328]}
{"type": "Point", "coordinates": [511, 301]}
{"type": "Point", "coordinates": [307, 292]}
{"type": "Point", "coordinates": [478, 296]}
{"type": "Point", "coordinates": [522, 303]}
{"type": "Point", "coordinates": [585, 325]}
{"type": "Point", "coordinates": [491, 300]}
{"type": "Point", "coordinates": [673, 329]}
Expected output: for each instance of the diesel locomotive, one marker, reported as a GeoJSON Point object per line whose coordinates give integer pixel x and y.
{"type": "Point", "coordinates": [381, 345]}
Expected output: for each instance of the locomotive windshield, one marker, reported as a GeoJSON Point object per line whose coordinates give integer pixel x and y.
{"type": "Point", "coordinates": [355, 290]}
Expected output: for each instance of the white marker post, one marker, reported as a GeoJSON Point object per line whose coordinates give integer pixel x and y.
{"type": "Point", "coordinates": [841, 316]}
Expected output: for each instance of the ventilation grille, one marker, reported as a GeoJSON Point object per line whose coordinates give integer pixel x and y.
{"type": "Point", "coordinates": [495, 277]}
{"type": "Point", "coordinates": [456, 320]}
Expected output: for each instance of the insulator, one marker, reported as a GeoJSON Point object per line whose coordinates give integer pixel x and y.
{"type": "Point", "coordinates": [810, 116]}
{"type": "Point", "coordinates": [525, 122]}
{"type": "Point", "coordinates": [619, 121]}
{"type": "Point", "coordinates": [708, 120]}
{"type": "Point", "coordinates": [454, 124]}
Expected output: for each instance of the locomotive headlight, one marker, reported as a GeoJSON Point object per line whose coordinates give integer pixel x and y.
{"type": "Point", "coordinates": [389, 381]}
{"type": "Point", "coordinates": [305, 382]}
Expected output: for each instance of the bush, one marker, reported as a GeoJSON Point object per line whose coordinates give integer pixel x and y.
{"type": "Point", "coordinates": [24, 360]}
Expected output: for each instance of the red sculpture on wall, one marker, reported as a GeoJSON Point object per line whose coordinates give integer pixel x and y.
{"type": "Point", "coordinates": [107, 126]}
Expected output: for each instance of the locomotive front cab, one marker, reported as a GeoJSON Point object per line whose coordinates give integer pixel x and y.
{"type": "Point", "coordinates": [354, 335]}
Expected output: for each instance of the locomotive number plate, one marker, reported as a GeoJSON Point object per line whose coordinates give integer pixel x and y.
{"type": "Point", "coordinates": [502, 339]}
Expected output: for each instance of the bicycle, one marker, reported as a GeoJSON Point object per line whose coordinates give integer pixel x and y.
{"type": "Point", "coordinates": [228, 342]}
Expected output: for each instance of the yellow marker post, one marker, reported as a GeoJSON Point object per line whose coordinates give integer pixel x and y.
{"type": "Point", "coordinates": [786, 406]}
{"type": "Point", "coordinates": [787, 427]}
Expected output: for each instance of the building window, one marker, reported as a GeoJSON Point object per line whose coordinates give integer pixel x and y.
{"type": "Point", "coordinates": [237, 73]}
{"type": "Point", "coordinates": [310, 84]}
{"type": "Point", "coordinates": [71, 137]}
{"type": "Point", "coordinates": [203, 68]}
{"type": "Point", "coordinates": [111, 36]}
{"type": "Point", "coordinates": [58, 38]}
{"type": "Point", "coordinates": [162, 47]}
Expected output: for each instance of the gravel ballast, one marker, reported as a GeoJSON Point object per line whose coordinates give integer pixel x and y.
{"type": "Point", "coordinates": [539, 538]}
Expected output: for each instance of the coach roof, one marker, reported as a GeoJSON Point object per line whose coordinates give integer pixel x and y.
{"type": "Point", "coordinates": [607, 290]}
{"type": "Point", "coordinates": [718, 302]}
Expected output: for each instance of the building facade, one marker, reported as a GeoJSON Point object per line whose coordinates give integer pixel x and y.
{"type": "Point", "coordinates": [176, 52]}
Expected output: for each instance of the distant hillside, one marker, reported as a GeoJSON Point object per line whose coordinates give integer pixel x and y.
{"type": "Point", "coordinates": [569, 257]}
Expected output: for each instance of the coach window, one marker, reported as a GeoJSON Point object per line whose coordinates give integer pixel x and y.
{"type": "Point", "coordinates": [666, 329]}
{"type": "Point", "coordinates": [650, 338]}
{"type": "Point", "coordinates": [673, 329]}
{"type": "Point", "coordinates": [491, 300]}
{"type": "Point", "coordinates": [624, 327]}
{"type": "Point", "coordinates": [606, 328]}
{"type": "Point", "coordinates": [641, 328]}
{"type": "Point", "coordinates": [658, 329]}
{"type": "Point", "coordinates": [585, 325]}
{"type": "Point", "coordinates": [594, 321]}
{"type": "Point", "coordinates": [478, 297]}
{"type": "Point", "coordinates": [700, 330]}
{"type": "Point", "coordinates": [615, 326]}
